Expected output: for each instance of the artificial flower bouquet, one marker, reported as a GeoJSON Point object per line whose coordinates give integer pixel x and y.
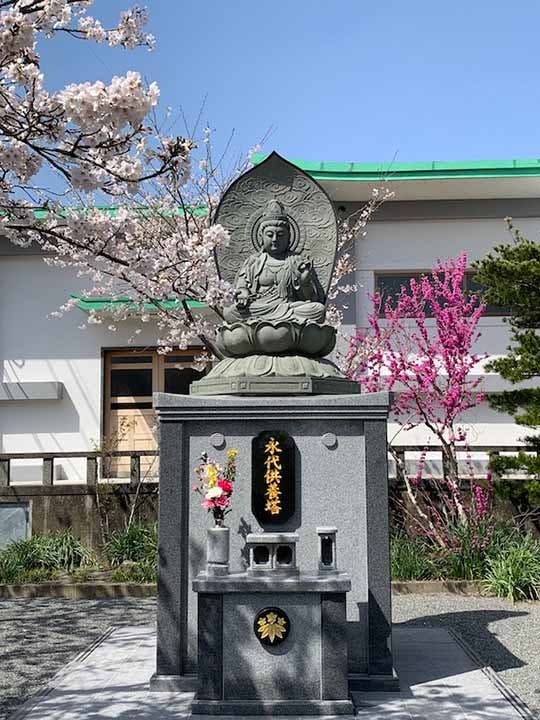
{"type": "Point", "coordinates": [215, 483]}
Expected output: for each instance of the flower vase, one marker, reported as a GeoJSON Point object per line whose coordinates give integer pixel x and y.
{"type": "Point", "coordinates": [217, 550]}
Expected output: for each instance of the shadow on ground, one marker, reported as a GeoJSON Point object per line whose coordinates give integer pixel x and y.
{"type": "Point", "coordinates": [473, 626]}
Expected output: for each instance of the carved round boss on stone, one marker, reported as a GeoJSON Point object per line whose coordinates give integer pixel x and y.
{"type": "Point", "coordinates": [271, 626]}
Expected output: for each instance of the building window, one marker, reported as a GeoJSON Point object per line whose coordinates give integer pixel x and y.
{"type": "Point", "coordinates": [131, 377]}
{"type": "Point", "coordinates": [474, 287]}
{"type": "Point", "coordinates": [389, 285]}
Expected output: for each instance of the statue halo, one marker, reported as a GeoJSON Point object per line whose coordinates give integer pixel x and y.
{"type": "Point", "coordinates": [309, 210]}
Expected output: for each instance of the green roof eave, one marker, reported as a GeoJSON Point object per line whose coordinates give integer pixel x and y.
{"type": "Point", "coordinates": [415, 171]}
{"type": "Point", "coordinates": [111, 211]}
{"type": "Point", "coordinates": [96, 304]}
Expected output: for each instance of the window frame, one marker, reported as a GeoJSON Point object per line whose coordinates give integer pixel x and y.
{"type": "Point", "coordinates": [490, 310]}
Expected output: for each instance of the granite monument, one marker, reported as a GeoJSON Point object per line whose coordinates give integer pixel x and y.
{"type": "Point", "coordinates": [274, 381]}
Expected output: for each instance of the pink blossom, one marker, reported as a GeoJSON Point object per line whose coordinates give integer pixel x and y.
{"type": "Point", "coordinates": [423, 343]}
{"type": "Point", "coordinates": [420, 345]}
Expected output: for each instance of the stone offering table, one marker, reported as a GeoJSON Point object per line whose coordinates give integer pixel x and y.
{"type": "Point", "coordinates": [304, 675]}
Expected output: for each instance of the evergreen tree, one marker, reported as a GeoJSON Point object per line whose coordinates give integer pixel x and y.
{"type": "Point", "coordinates": [510, 275]}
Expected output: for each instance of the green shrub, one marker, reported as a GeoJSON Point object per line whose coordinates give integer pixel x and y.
{"type": "Point", "coordinates": [28, 554]}
{"type": "Point", "coordinates": [410, 558]}
{"type": "Point", "coordinates": [13, 574]}
{"type": "Point", "coordinates": [85, 572]}
{"type": "Point", "coordinates": [43, 553]}
{"type": "Point", "coordinates": [137, 543]}
{"type": "Point", "coordinates": [66, 552]}
{"type": "Point", "coordinates": [141, 572]}
{"type": "Point", "coordinates": [9, 570]}
{"type": "Point", "coordinates": [466, 558]}
{"type": "Point", "coordinates": [514, 573]}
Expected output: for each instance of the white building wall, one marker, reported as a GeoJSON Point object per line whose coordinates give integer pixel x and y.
{"type": "Point", "coordinates": [34, 348]}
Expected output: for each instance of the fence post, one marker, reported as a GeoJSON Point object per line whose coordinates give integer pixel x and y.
{"type": "Point", "coordinates": [135, 470]}
{"type": "Point", "coordinates": [493, 454]}
{"type": "Point", "coordinates": [48, 471]}
{"type": "Point", "coordinates": [4, 473]}
{"type": "Point", "coordinates": [399, 457]}
{"type": "Point", "coordinates": [91, 471]}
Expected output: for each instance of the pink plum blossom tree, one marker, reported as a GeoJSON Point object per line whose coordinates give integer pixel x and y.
{"type": "Point", "coordinates": [420, 346]}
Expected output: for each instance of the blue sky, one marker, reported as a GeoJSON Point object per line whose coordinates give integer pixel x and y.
{"type": "Point", "coordinates": [340, 80]}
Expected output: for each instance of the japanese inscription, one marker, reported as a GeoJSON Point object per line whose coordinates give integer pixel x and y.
{"type": "Point", "coordinates": [272, 476]}
{"type": "Point", "coordinates": [273, 486]}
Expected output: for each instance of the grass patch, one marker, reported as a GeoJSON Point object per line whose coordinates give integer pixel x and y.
{"type": "Point", "coordinates": [515, 573]}
{"type": "Point", "coordinates": [42, 557]}
{"type": "Point", "coordinates": [410, 558]}
{"type": "Point", "coordinates": [136, 544]}
{"type": "Point", "coordinates": [507, 565]}
{"type": "Point", "coordinates": [139, 572]}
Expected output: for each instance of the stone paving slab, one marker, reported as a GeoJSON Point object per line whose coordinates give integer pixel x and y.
{"type": "Point", "coordinates": [440, 680]}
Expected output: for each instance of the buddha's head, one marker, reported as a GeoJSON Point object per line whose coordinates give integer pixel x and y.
{"type": "Point", "coordinates": [275, 230]}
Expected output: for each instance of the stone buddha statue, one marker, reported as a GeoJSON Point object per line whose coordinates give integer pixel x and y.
{"type": "Point", "coordinates": [275, 283]}
{"type": "Point", "coordinates": [283, 242]}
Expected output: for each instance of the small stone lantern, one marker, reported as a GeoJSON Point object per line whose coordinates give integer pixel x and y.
{"type": "Point", "coordinates": [327, 549]}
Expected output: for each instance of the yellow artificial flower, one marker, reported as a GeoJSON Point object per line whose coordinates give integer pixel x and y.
{"type": "Point", "coordinates": [212, 475]}
{"type": "Point", "coordinates": [232, 453]}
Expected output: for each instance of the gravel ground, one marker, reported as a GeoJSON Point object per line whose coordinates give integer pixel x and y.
{"type": "Point", "coordinates": [37, 637]}
{"type": "Point", "coordinates": [503, 635]}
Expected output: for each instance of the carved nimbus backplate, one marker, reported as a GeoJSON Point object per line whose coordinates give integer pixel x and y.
{"type": "Point", "coordinates": [311, 214]}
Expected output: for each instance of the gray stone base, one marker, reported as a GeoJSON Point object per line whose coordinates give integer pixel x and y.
{"type": "Point", "coordinates": [283, 385]}
{"type": "Point", "coordinates": [373, 683]}
{"type": "Point", "coordinates": [173, 683]}
{"type": "Point", "coordinates": [276, 707]}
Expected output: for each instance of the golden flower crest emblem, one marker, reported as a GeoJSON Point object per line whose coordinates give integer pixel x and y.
{"type": "Point", "coordinates": [272, 626]}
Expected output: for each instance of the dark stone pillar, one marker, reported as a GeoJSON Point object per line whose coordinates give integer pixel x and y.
{"type": "Point", "coordinates": [172, 561]}
{"type": "Point", "coordinates": [334, 639]}
{"type": "Point", "coordinates": [378, 550]}
{"type": "Point", "coordinates": [210, 648]}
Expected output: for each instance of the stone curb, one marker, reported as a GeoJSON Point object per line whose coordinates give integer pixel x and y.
{"type": "Point", "coordinates": [78, 591]}
{"type": "Point", "coordinates": [429, 587]}
{"type": "Point", "coordinates": [105, 590]}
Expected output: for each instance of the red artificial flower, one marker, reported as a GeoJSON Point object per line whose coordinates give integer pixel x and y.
{"type": "Point", "coordinates": [226, 486]}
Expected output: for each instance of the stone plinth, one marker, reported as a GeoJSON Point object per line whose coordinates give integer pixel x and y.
{"type": "Point", "coordinates": [341, 484]}
{"type": "Point", "coordinates": [302, 673]}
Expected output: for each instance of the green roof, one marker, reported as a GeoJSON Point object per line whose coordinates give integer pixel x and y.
{"type": "Point", "coordinates": [105, 303]}
{"type": "Point", "coordinates": [113, 209]}
{"type": "Point", "coordinates": [415, 171]}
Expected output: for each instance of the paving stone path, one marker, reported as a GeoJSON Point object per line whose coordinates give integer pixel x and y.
{"type": "Point", "coordinates": [37, 637]}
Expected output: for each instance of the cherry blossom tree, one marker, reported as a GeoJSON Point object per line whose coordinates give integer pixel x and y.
{"type": "Point", "coordinates": [420, 345]}
{"type": "Point", "coordinates": [132, 208]}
